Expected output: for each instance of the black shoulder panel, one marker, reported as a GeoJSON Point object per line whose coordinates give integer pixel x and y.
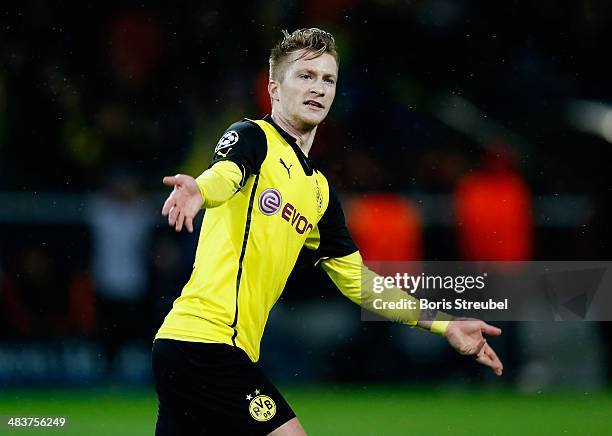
{"type": "Point", "coordinates": [245, 144]}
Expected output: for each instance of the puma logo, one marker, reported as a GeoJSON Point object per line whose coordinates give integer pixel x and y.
{"type": "Point", "coordinates": [288, 168]}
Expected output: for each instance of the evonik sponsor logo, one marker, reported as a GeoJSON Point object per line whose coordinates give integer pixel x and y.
{"type": "Point", "coordinates": [298, 221]}
{"type": "Point", "coordinates": [271, 201]}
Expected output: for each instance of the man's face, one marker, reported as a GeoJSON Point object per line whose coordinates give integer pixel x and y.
{"type": "Point", "coordinates": [306, 90]}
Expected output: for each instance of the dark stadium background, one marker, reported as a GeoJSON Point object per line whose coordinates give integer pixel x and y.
{"type": "Point", "coordinates": [437, 101]}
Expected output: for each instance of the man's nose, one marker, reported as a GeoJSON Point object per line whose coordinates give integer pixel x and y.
{"type": "Point", "coordinates": [317, 88]}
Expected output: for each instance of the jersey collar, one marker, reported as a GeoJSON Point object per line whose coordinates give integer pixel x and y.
{"type": "Point", "coordinates": [304, 160]}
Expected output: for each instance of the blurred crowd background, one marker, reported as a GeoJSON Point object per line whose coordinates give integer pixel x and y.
{"type": "Point", "coordinates": [461, 130]}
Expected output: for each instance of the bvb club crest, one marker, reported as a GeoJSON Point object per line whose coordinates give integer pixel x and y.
{"type": "Point", "coordinates": [261, 407]}
{"type": "Point", "coordinates": [319, 199]}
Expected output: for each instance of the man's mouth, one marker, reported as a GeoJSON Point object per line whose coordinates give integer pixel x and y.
{"type": "Point", "coordinates": [314, 104]}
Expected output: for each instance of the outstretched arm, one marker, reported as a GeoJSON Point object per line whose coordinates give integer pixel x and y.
{"type": "Point", "coordinates": [355, 280]}
{"type": "Point", "coordinates": [214, 187]}
{"type": "Point", "coordinates": [465, 335]}
{"type": "Point", "coordinates": [238, 154]}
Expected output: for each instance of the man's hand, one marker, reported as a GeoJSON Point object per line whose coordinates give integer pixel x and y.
{"type": "Point", "coordinates": [184, 202]}
{"type": "Point", "coordinates": [466, 336]}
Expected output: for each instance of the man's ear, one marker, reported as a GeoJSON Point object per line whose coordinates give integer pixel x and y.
{"type": "Point", "coordinates": [273, 89]}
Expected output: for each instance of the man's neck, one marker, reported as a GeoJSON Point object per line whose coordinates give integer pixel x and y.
{"type": "Point", "coordinates": [304, 138]}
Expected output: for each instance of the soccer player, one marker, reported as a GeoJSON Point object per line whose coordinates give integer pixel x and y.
{"type": "Point", "coordinates": [264, 202]}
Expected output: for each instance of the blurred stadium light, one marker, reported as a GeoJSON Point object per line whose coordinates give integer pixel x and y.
{"type": "Point", "coordinates": [464, 116]}
{"type": "Point", "coordinates": [591, 117]}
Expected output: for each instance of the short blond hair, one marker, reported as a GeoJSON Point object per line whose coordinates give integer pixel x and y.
{"type": "Point", "coordinates": [314, 41]}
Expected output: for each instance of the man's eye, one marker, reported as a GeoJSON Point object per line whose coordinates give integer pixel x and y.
{"type": "Point", "coordinates": [305, 76]}
{"type": "Point", "coordinates": [330, 81]}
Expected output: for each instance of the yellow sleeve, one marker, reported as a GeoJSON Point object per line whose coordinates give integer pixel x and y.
{"type": "Point", "coordinates": [219, 183]}
{"type": "Point", "coordinates": [355, 281]}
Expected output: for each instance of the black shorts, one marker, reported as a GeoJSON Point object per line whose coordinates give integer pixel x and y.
{"type": "Point", "coordinates": [213, 389]}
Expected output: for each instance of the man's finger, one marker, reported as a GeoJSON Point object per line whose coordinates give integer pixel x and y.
{"type": "Point", "coordinates": [487, 357]}
{"type": "Point", "coordinates": [490, 330]}
{"type": "Point", "coordinates": [172, 216]}
{"type": "Point", "coordinates": [179, 221]}
{"type": "Point", "coordinates": [499, 366]}
{"type": "Point", "coordinates": [480, 345]}
{"type": "Point", "coordinates": [485, 360]}
{"type": "Point", "coordinates": [168, 204]}
{"type": "Point", "coordinates": [189, 224]}
{"type": "Point", "coordinates": [171, 180]}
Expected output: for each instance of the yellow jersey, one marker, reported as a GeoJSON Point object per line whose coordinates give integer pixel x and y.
{"type": "Point", "coordinates": [249, 244]}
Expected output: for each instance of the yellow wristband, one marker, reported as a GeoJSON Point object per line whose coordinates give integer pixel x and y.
{"type": "Point", "coordinates": [439, 327]}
